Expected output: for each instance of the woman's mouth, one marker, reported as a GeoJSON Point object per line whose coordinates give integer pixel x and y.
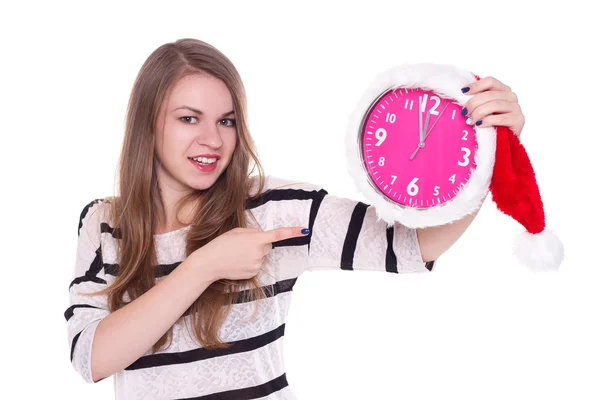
{"type": "Point", "coordinates": [204, 164]}
{"type": "Point", "coordinates": [204, 160]}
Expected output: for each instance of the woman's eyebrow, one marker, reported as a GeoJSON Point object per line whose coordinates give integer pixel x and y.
{"type": "Point", "coordinates": [200, 112]}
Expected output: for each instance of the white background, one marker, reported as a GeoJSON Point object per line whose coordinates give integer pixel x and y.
{"type": "Point", "coordinates": [479, 327]}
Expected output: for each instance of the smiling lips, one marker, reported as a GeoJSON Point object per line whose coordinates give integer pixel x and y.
{"type": "Point", "coordinates": [205, 158]}
{"type": "Point", "coordinates": [205, 162]}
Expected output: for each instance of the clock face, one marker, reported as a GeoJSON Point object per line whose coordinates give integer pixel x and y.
{"type": "Point", "coordinates": [413, 169]}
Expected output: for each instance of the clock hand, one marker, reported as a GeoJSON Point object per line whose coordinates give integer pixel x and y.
{"type": "Point", "coordinates": [427, 134]}
{"type": "Point", "coordinates": [426, 125]}
{"type": "Point", "coordinates": [438, 118]}
{"type": "Point", "coordinates": [421, 137]}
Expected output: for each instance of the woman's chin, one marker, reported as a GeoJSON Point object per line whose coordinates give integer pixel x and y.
{"type": "Point", "coordinates": [205, 181]}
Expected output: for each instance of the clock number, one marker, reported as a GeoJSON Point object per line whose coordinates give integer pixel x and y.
{"type": "Point", "coordinates": [436, 105]}
{"type": "Point", "coordinates": [394, 177]}
{"type": "Point", "coordinates": [412, 188]}
{"type": "Point", "coordinates": [391, 118]}
{"type": "Point", "coordinates": [465, 160]}
{"type": "Point", "coordinates": [465, 135]}
{"type": "Point", "coordinates": [452, 178]}
{"type": "Point", "coordinates": [436, 191]}
{"type": "Point", "coordinates": [381, 161]}
{"type": "Point", "coordinates": [380, 134]}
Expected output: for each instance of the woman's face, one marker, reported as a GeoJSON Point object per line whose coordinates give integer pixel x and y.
{"type": "Point", "coordinates": [196, 134]}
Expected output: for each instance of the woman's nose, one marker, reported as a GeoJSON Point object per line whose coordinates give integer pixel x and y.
{"type": "Point", "coordinates": [209, 136]}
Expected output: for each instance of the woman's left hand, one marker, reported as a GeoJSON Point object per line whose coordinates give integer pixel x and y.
{"type": "Point", "coordinates": [493, 104]}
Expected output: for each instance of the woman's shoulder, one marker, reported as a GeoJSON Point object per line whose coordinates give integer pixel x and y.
{"type": "Point", "coordinates": [94, 213]}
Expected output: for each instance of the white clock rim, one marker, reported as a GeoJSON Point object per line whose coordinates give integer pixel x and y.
{"type": "Point", "coordinates": [447, 81]}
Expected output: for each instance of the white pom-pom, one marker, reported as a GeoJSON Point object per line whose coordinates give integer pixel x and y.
{"type": "Point", "coordinates": [540, 252]}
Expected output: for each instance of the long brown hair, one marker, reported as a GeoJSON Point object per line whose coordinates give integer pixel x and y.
{"type": "Point", "coordinates": [218, 209]}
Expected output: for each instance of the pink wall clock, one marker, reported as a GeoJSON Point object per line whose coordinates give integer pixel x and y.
{"type": "Point", "coordinates": [412, 153]}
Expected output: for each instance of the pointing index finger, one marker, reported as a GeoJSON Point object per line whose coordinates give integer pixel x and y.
{"type": "Point", "coordinates": [275, 235]}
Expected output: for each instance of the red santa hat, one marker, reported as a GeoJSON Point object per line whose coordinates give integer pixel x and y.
{"type": "Point", "coordinates": [515, 191]}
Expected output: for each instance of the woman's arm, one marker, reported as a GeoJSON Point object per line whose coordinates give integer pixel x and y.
{"type": "Point", "coordinates": [344, 233]}
{"type": "Point", "coordinates": [102, 342]}
{"type": "Point", "coordinates": [435, 241]}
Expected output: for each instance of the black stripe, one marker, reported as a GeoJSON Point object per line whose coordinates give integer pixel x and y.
{"type": "Point", "coordinates": [111, 269]}
{"type": "Point", "coordinates": [352, 234]}
{"type": "Point", "coordinates": [162, 269]}
{"type": "Point", "coordinates": [429, 265]}
{"type": "Point", "coordinates": [84, 213]}
{"type": "Point", "coordinates": [91, 274]}
{"type": "Point", "coordinates": [166, 269]}
{"type": "Point", "coordinates": [253, 392]}
{"type": "Point", "coordinates": [239, 346]}
{"type": "Point", "coordinates": [282, 194]}
{"type": "Point", "coordinates": [391, 262]}
{"type": "Point", "coordinates": [87, 278]}
{"type": "Point", "coordinates": [75, 339]}
{"type": "Point", "coordinates": [314, 210]}
{"type": "Point", "coordinates": [106, 228]}
{"type": "Point", "coordinates": [273, 290]}
{"type": "Point", "coordinates": [295, 241]}
{"type": "Point", "coordinates": [70, 310]}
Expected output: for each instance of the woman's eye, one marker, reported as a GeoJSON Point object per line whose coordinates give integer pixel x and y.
{"type": "Point", "coordinates": [186, 119]}
{"type": "Point", "coordinates": [231, 122]}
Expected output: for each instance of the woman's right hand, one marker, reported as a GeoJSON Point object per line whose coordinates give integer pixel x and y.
{"type": "Point", "coordinates": [239, 253]}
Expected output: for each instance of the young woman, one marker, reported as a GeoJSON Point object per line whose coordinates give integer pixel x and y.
{"type": "Point", "coordinates": [182, 283]}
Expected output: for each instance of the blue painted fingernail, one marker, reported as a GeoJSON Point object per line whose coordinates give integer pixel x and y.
{"type": "Point", "coordinates": [305, 231]}
{"type": "Point", "coordinates": [464, 111]}
{"type": "Point", "coordinates": [465, 89]}
{"type": "Point", "coordinates": [478, 122]}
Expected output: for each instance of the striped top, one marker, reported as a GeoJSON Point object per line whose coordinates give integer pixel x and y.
{"type": "Point", "coordinates": [345, 234]}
